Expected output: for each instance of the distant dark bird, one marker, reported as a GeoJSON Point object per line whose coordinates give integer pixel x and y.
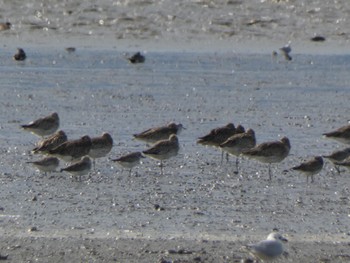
{"type": "Point", "coordinates": [5, 26]}
{"type": "Point", "coordinates": [341, 135]}
{"type": "Point", "coordinates": [20, 55]}
{"type": "Point", "coordinates": [70, 49]}
{"type": "Point", "coordinates": [286, 51]}
{"type": "Point", "coordinates": [137, 58]}
{"type": "Point", "coordinates": [318, 39]}
{"type": "Point", "coordinates": [310, 168]}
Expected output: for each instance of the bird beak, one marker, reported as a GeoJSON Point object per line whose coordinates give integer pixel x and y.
{"type": "Point", "coordinates": [284, 239]}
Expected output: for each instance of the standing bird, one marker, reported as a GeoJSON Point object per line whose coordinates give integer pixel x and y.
{"type": "Point", "coordinates": [310, 168]}
{"type": "Point", "coordinates": [270, 152]}
{"type": "Point", "coordinates": [100, 146]}
{"type": "Point", "coordinates": [239, 143]}
{"type": "Point", "coordinates": [20, 55]}
{"type": "Point", "coordinates": [219, 135]}
{"type": "Point", "coordinates": [72, 150]}
{"type": "Point", "coordinates": [43, 126]}
{"type": "Point", "coordinates": [156, 134]}
{"type": "Point", "coordinates": [268, 249]}
{"type": "Point", "coordinates": [45, 145]}
{"type": "Point", "coordinates": [338, 156]}
{"type": "Point", "coordinates": [130, 160]}
{"type": "Point", "coordinates": [79, 168]}
{"type": "Point", "coordinates": [341, 135]}
{"type": "Point", "coordinates": [48, 164]}
{"type": "Point", "coordinates": [163, 150]}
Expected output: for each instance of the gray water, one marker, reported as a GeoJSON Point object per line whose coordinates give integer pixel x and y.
{"type": "Point", "coordinates": [196, 25]}
{"type": "Point", "coordinates": [96, 90]}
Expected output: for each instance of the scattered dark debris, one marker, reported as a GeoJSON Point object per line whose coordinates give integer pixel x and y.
{"type": "Point", "coordinates": [163, 260]}
{"type": "Point", "coordinates": [33, 229]}
{"type": "Point", "coordinates": [158, 207]}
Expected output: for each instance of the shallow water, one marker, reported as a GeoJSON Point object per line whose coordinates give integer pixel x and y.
{"type": "Point", "coordinates": [195, 25]}
{"type": "Point", "coordinates": [98, 90]}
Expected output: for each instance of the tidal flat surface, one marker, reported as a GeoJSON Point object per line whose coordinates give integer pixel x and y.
{"type": "Point", "coordinates": [206, 207]}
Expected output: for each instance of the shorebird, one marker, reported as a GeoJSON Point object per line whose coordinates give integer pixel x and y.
{"type": "Point", "coordinates": [238, 143]}
{"type": "Point", "coordinates": [219, 135]}
{"type": "Point", "coordinates": [79, 168]}
{"type": "Point", "coordinates": [341, 135]}
{"type": "Point", "coordinates": [72, 150]}
{"type": "Point", "coordinates": [130, 160]}
{"type": "Point", "coordinates": [310, 168]}
{"type": "Point", "coordinates": [345, 163]}
{"type": "Point", "coordinates": [43, 126]}
{"type": "Point", "coordinates": [270, 152]}
{"type": "Point", "coordinates": [163, 150]}
{"type": "Point", "coordinates": [286, 50]}
{"type": "Point", "coordinates": [156, 134]}
{"type": "Point", "coordinates": [48, 164]}
{"type": "Point", "coordinates": [268, 249]}
{"type": "Point", "coordinates": [45, 145]}
{"type": "Point", "coordinates": [20, 55]}
{"type": "Point", "coordinates": [338, 156]}
{"type": "Point", "coordinates": [100, 146]}
{"type": "Point", "coordinates": [5, 26]}
{"type": "Point", "coordinates": [137, 58]}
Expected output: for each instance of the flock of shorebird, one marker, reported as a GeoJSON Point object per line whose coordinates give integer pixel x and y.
{"type": "Point", "coordinates": [55, 145]}
{"type": "Point", "coordinates": [164, 143]}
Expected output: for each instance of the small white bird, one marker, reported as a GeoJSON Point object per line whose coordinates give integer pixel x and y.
{"type": "Point", "coordinates": [269, 249]}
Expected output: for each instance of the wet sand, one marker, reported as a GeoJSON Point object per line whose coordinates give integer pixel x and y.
{"type": "Point", "coordinates": [207, 211]}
